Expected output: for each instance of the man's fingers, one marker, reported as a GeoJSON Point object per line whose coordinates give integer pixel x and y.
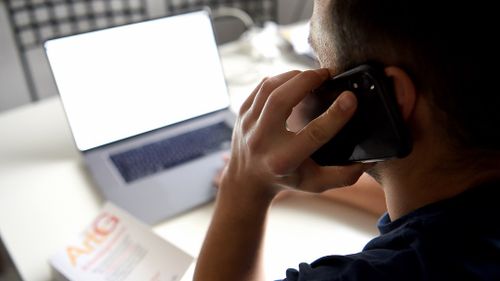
{"type": "Point", "coordinates": [318, 179]}
{"type": "Point", "coordinates": [250, 99]}
{"type": "Point", "coordinates": [251, 111]}
{"type": "Point", "coordinates": [281, 102]}
{"type": "Point", "coordinates": [314, 178]}
{"type": "Point", "coordinates": [321, 130]}
{"type": "Point", "coordinates": [266, 88]}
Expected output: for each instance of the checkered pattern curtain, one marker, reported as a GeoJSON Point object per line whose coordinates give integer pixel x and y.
{"type": "Point", "coordinates": [259, 10]}
{"type": "Point", "coordinates": [35, 21]}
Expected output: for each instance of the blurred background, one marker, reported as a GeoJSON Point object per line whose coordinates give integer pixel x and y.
{"type": "Point", "coordinates": [25, 24]}
{"type": "Point", "coordinates": [25, 76]}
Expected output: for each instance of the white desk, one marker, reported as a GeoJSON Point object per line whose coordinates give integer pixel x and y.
{"type": "Point", "coordinates": [46, 195]}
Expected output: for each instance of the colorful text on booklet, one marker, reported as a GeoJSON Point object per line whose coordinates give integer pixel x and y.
{"type": "Point", "coordinates": [118, 247]}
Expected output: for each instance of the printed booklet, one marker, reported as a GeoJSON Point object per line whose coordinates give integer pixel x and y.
{"type": "Point", "coordinates": [118, 247]}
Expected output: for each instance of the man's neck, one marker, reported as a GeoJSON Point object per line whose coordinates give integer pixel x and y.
{"type": "Point", "coordinates": [413, 183]}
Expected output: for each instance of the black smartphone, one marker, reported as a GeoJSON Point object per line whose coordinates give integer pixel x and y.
{"type": "Point", "coordinates": [376, 131]}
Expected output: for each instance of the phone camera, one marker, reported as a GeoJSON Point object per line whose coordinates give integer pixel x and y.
{"type": "Point", "coordinates": [364, 83]}
{"type": "Point", "coordinates": [367, 83]}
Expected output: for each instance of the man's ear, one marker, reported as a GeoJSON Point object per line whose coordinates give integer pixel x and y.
{"type": "Point", "coordinates": [404, 89]}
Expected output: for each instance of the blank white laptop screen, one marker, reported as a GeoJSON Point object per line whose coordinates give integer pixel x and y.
{"type": "Point", "coordinates": [120, 82]}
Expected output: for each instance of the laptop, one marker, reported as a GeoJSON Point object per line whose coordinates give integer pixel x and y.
{"type": "Point", "coordinates": [148, 108]}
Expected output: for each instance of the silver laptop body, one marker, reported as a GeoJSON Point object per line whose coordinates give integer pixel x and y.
{"type": "Point", "coordinates": [154, 88]}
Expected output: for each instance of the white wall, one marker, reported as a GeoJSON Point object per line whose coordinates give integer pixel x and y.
{"type": "Point", "coordinates": [14, 91]}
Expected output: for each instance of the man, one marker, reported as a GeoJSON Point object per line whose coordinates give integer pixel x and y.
{"type": "Point", "coordinates": [442, 199]}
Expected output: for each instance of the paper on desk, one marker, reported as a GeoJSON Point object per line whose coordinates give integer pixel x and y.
{"type": "Point", "coordinates": [117, 247]}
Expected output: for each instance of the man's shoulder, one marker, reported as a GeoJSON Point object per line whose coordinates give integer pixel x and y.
{"type": "Point", "coordinates": [471, 211]}
{"type": "Point", "coordinates": [455, 239]}
{"type": "Point", "coordinates": [379, 264]}
{"type": "Point", "coordinates": [416, 260]}
{"type": "Point", "coordinates": [462, 222]}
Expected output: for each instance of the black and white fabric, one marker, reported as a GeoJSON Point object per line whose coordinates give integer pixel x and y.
{"type": "Point", "coordinates": [35, 21]}
{"type": "Point", "coordinates": [260, 10]}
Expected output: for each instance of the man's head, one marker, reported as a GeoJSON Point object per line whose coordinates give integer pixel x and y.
{"type": "Point", "coordinates": [445, 47]}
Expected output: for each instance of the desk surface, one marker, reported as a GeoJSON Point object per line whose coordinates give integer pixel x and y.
{"type": "Point", "coordinates": [47, 196]}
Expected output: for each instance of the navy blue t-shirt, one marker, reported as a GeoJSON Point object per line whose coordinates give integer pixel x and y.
{"type": "Point", "coordinates": [454, 239]}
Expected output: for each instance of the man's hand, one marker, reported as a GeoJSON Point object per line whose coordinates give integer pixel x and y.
{"type": "Point", "coordinates": [266, 157]}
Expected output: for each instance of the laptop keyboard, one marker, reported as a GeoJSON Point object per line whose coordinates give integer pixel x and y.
{"type": "Point", "coordinates": [155, 157]}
